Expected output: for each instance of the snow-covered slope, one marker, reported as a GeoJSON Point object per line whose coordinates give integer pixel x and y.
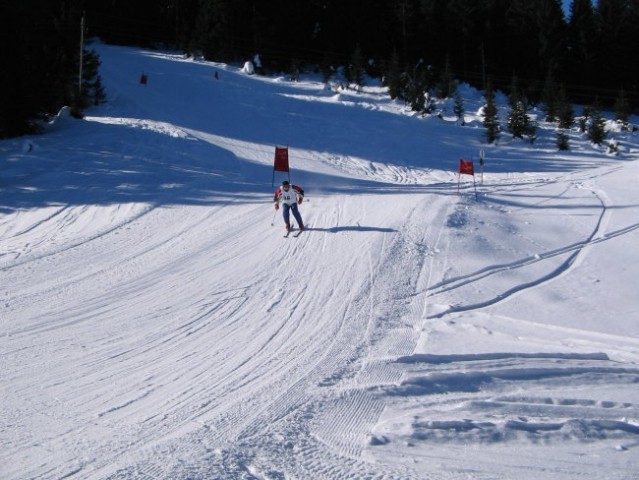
{"type": "Point", "coordinates": [155, 324]}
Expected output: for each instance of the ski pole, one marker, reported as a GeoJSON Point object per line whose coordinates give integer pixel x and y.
{"type": "Point", "coordinates": [273, 219]}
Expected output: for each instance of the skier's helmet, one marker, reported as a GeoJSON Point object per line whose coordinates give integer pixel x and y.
{"type": "Point", "coordinates": [285, 183]}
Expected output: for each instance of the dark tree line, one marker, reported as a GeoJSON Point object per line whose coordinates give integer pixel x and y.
{"type": "Point", "coordinates": [591, 52]}
{"type": "Point", "coordinates": [423, 43]}
{"type": "Point", "coordinates": [40, 63]}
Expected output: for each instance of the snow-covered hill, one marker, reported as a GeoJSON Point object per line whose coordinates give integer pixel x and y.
{"type": "Point", "coordinates": [155, 324]}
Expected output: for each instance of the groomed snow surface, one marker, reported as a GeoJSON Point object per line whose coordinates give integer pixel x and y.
{"type": "Point", "coordinates": [155, 324]}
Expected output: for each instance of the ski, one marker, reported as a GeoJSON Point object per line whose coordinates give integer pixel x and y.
{"type": "Point", "coordinates": [295, 235]}
{"type": "Point", "coordinates": [300, 232]}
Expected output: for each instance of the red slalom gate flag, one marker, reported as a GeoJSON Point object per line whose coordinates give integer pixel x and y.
{"type": "Point", "coordinates": [281, 162]}
{"type": "Point", "coordinates": [466, 167]}
{"type": "Point", "coordinates": [281, 159]}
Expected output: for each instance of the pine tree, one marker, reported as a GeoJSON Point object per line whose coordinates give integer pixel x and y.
{"type": "Point", "coordinates": [565, 112]}
{"type": "Point", "coordinates": [459, 108]}
{"type": "Point", "coordinates": [517, 119]}
{"type": "Point", "coordinates": [294, 70]}
{"type": "Point", "coordinates": [416, 89]}
{"type": "Point", "coordinates": [519, 123]}
{"type": "Point", "coordinates": [92, 89]}
{"type": "Point", "coordinates": [565, 119]}
{"type": "Point", "coordinates": [92, 92]}
{"type": "Point", "coordinates": [622, 110]}
{"type": "Point", "coordinates": [596, 129]}
{"type": "Point", "coordinates": [491, 120]}
{"type": "Point", "coordinates": [393, 77]}
{"type": "Point", "coordinates": [563, 142]}
{"type": "Point", "coordinates": [549, 98]}
{"type": "Point", "coordinates": [327, 69]}
{"type": "Point", "coordinates": [583, 120]}
{"type": "Point", "coordinates": [355, 70]}
{"type": "Point", "coordinates": [531, 130]}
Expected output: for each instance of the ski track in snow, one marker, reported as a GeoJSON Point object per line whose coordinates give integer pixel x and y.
{"type": "Point", "coordinates": [575, 250]}
{"type": "Point", "coordinates": [165, 340]}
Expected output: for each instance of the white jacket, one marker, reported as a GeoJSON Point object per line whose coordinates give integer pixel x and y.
{"type": "Point", "coordinates": [289, 196]}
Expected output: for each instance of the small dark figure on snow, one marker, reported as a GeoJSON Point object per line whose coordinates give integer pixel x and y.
{"type": "Point", "coordinates": [290, 196]}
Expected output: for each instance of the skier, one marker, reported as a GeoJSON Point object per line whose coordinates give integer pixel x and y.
{"type": "Point", "coordinates": [290, 196]}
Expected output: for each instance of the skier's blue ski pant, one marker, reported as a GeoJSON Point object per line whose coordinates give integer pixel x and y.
{"type": "Point", "coordinates": [296, 213]}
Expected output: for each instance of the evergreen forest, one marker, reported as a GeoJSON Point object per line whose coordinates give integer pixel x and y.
{"type": "Point", "coordinates": [587, 54]}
